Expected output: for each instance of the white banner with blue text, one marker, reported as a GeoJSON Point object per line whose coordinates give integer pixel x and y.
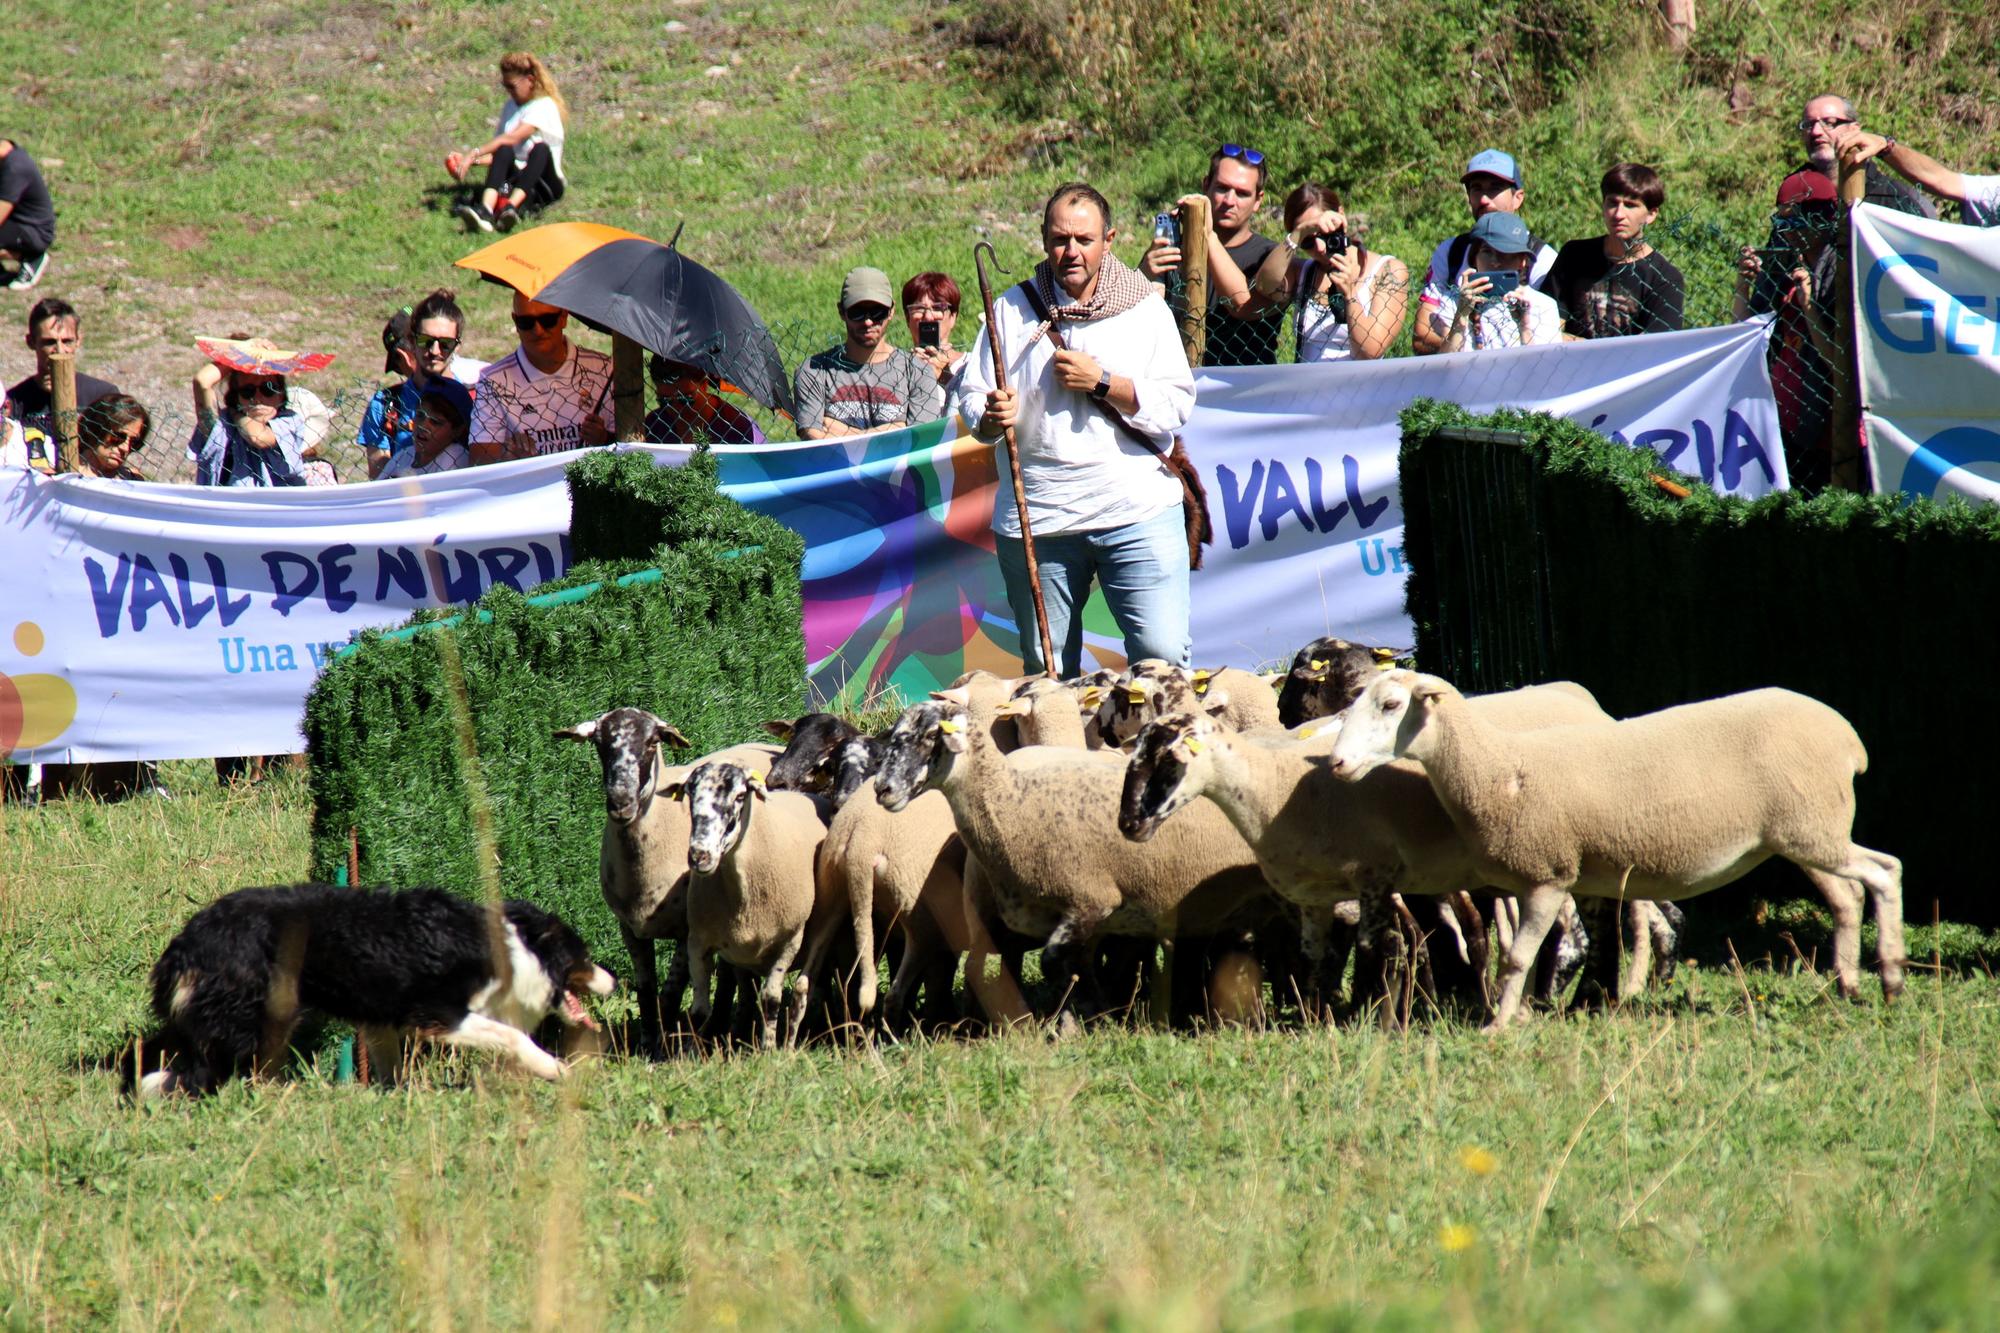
{"type": "Point", "coordinates": [155, 621]}
{"type": "Point", "coordinates": [1927, 336]}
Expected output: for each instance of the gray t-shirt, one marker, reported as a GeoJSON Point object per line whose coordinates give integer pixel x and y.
{"type": "Point", "coordinates": [899, 391]}
{"type": "Point", "coordinates": [22, 186]}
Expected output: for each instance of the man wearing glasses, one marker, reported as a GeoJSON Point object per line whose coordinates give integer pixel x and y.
{"type": "Point", "coordinates": [545, 396]}
{"type": "Point", "coordinates": [865, 383]}
{"type": "Point", "coordinates": [422, 346]}
{"type": "Point", "coordinates": [1239, 332]}
{"type": "Point", "coordinates": [1820, 127]}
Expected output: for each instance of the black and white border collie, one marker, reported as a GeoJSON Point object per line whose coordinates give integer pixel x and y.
{"type": "Point", "coordinates": [232, 985]}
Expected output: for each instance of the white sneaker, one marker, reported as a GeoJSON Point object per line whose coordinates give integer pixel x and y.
{"type": "Point", "coordinates": [31, 273]}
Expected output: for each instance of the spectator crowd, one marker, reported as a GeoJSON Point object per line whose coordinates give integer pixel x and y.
{"type": "Point", "coordinates": [1496, 284]}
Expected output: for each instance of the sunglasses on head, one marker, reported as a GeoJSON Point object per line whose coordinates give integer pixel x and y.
{"type": "Point", "coordinates": [548, 321]}
{"type": "Point", "coordinates": [266, 388]}
{"type": "Point", "coordinates": [1242, 154]}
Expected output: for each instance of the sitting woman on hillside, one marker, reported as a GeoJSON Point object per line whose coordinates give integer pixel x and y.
{"type": "Point", "coordinates": [1348, 302]}
{"type": "Point", "coordinates": [108, 433]}
{"type": "Point", "coordinates": [525, 155]}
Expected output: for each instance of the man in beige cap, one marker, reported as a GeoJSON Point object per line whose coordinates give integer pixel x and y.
{"type": "Point", "coordinates": [865, 383]}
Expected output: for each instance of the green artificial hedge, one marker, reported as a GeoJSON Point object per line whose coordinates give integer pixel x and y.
{"type": "Point", "coordinates": [1553, 554]}
{"type": "Point", "coordinates": [714, 646]}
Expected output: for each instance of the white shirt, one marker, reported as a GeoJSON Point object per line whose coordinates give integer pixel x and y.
{"type": "Point", "coordinates": [1982, 201]}
{"type": "Point", "coordinates": [1323, 335]}
{"type": "Point", "coordinates": [1497, 326]}
{"type": "Point", "coordinates": [13, 444]}
{"type": "Point", "coordinates": [1081, 473]}
{"type": "Point", "coordinates": [547, 122]}
{"type": "Point", "coordinates": [404, 463]}
{"type": "Point", "coordinates": [513, 396]}
{"type": "Point", "coordinates": [465, 370]}
{"type": "Point", "coordinates": [1440, 298]}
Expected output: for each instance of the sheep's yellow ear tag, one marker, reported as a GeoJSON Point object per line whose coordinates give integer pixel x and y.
{"type": "Point", "coordinates": [1317, 664]}
{"type": "Point", "coordinates": [1200, 683]}
{"type": "Point", "coordinates": [948, 727]}
{"type": "Point", "coordinates": [1308, 733]}
{"type": "Point", "coordinates": [1092, 696]}
{"type": "Point", "coordinates": [1389, 665]}
{"type": "Point", "coordinates": [1384, 654]}
{"type": "Point", "coordinates": [1193, 745]}
{"type": "Point", "coordinates": [754, 779]}
{"type": "Point", "coordinates": [1135, 695]}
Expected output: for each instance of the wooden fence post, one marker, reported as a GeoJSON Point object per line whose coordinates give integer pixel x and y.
{"type": "Point", "coordinates": [628, 388]}
{"type": "Point", "coordinates": [1194, 273]}
{"type": "Point", "coordinates": [62, 373]}
{"type": "Point", "coordinates": [1847, 470]}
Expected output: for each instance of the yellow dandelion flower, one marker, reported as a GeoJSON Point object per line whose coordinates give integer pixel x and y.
{"type": "Point", "coordinates": [1478, 1161]}
{"type": "Point", "coordinates": [1456, 1238]}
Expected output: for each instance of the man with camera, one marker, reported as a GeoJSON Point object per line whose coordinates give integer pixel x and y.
{"type": "Point", "coordinates": [1492, 183]}
{"type": "Point", "coordinates": [1794, 277]}
{"type": "Point", "coordinates": [1240, 332]}
{"type": "Point", "coordinates": [867, 382]}
{"type": "Point", "coordinates": [1094, 420]}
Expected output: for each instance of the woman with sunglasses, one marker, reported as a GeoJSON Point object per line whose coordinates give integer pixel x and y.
{"type": "Point", "coordinates": [422, 346]}
{"type": "Point", "coordinates": [525, 154]}
{"type": "Point", "coordinates": [108, 433]}
{"type": "Point", "coordinates": [1348, 302]}
{"type": "Point", "coordinates": [245, 434]}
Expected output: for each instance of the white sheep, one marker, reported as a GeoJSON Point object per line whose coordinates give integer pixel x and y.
{"type": "Point", "coordinates": [642, 858]}
{"type": "Point", "coordinates": [1664, 806]}
{"type": "Point", "coordinates": [1039, 822]}
{"type": "Point", "coordinates": [751, 891]}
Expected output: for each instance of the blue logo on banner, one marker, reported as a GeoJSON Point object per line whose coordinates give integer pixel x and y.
{"type": "Point", "coordinates": [1950, 329]}
{"type": "Point", "coordinates": [1953, 447]}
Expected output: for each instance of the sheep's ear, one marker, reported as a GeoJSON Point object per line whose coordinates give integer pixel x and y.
{"type": "Point", "coordinates": [757, 787]}
{"type": "Point", "coordinates": [1384, 654]}
{"type": "Point", "coordinates": [675, 791]}
{"type": "Point", "coordinates": [1275, 679]}
{"type": "Point", "coordinates": [957, 694]}
{"type": "Point", "coordinates": [1014, 708]}
{"type": "Point", "coordinates": [1426, 691]}
{"type": "Point", "coordinates": [671, 737]}
{"type": "Point", "coordinates": [951, 732]}
{"type": "Point", "coordinates": [1092, 697]}
{"type": "Point", "coordinates": [582, 731]}
{"type": "Point", "coordinates": [1341, 645]}
{"type": "Point", "coordinates": [1215, 705]}
{"type": "Point", "coordinates": [780, 728]}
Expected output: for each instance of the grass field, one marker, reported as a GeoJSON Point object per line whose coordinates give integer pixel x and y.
{"type": "Point", "coordinates": [1744, 1151]}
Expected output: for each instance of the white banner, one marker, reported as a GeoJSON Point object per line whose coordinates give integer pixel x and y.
{"type": "Point", "coordinates": [1927, 335]}
{"type": "Point", "coordinates": [155, 621]}
{"type": "Point", "coordinates": [1300, 463]}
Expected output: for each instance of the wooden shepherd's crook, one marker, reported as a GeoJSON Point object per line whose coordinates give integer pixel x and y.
{"type": "Point", "coordinates": [1013, 458]}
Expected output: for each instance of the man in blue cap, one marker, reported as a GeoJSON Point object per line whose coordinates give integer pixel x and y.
{"type": "Point", "coordinates": [1492, 183]}
{"type": "Point", "coordinates": [1493, 304]}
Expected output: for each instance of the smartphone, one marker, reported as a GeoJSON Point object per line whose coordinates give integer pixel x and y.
{"type": "Point", "coordinates": [927, 333]}
{"type": "Point", "coordinates": [1167, 227]}
{"type": "Point", "coordinates": [1502, 280]}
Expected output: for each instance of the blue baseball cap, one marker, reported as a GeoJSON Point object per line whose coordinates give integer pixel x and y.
{"type": "Point", "coordinates": [1492, 162]}
{"type": "Point", "coordinates": [1503, 234]}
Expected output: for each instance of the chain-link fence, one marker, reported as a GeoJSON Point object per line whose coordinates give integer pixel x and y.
{"type": "Point", "coordinates": [1370, 304]}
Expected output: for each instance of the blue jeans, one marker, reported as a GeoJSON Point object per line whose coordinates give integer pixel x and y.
{"type": "Point", "coordinates": [1144, 568]}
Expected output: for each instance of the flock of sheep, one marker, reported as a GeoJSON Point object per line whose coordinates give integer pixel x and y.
{"type": "Point", "coordinates": [1210, 831]}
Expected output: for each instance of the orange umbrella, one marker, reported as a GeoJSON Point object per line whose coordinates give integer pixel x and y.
{"type": "Point", "coordinates": [622, 283]}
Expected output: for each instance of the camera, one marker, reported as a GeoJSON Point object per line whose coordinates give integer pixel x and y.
{"type": "Point", "coordinates": [1167, 227]}
{"type": "Point", "coordinates": [927, 333]}
{"type": "Point", "coordinates": [1332, 243]}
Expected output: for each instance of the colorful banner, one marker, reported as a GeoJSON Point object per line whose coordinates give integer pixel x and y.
{"type": "Point", "coordinates": [1927, 336]}
{"type": "Point", "coordinates": [153, 621]}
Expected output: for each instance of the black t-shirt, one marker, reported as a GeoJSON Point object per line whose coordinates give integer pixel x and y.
{"type": "Point", "coordinates": [22, 186]}
{"type": "Point", "coordinates": [1605, 298]}
{"type": "Point", "coordinates": [33, 406]}
{"type": "Point", "coordinates": [1243, 342]}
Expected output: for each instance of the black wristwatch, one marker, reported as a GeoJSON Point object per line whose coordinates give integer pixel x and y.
{"type": "Point", "coordinates": [1103, 389]}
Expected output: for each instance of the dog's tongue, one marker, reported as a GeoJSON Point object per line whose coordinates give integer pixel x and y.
{"type": "Point", "coordinates": [577, 1014]}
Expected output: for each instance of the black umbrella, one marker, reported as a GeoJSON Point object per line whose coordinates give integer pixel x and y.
{"type": "Point", "coordinates": [620, 283]}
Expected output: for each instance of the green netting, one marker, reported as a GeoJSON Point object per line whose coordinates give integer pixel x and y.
{"type": "Point", "coordinates": [1878, 605]}
{"type": "Point", "coordinates": [714, 646]}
